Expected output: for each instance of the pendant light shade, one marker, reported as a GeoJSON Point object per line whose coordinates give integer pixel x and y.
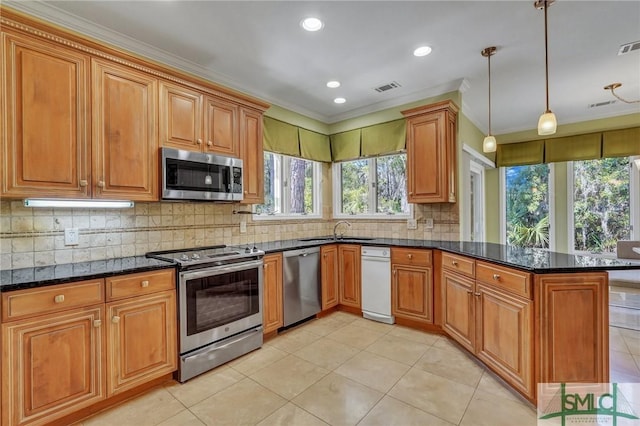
{"type": "Point", "coordinates": [489, 144]}
{"type": "Point", "coordinates": [547, 123]}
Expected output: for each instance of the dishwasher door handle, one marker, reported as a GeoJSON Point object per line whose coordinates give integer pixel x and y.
{"type": "Point", "coordinates": [303, 254]}
{"type": "Point", "coordinates": [376, 259]}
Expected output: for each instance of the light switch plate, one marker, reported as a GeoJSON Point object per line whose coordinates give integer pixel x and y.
{"type": "Point", "coordinates": [243, 227]}
{"type": "Point", "coordinates": [428, 223]}
{"type": "Point", "coordinates": [412, 224]}
{"type": "Point", "coordinates": [71, 237]}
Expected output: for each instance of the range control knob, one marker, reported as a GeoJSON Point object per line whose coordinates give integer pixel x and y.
{"type": "Point", "coordinates": [247, 250]}
{"type": "Point", "coordinates": [184, 257]}
{"type": "Point", "coordinates": [195, 256]}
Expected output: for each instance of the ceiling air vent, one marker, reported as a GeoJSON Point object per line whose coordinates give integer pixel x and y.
{"type": "Point", "coordinates": [388, 86]}
{"type": "Point", "coordinates": [601, 104]}
{"type": "Point", "coordinates": [629, 47]}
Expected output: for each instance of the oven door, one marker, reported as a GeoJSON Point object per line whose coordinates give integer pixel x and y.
{"type": "Point", "coordinates": [219, 302]}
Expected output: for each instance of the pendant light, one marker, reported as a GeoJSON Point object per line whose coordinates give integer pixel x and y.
{"type": "Point", "coordinates": [489, 144]}
{"type": "Point", "coordinates": [547, 124]}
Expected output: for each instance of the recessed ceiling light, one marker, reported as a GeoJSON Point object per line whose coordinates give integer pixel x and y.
{"type": "Point", "coordinates": [422, 51]}
{"type": "Point", "coordinates": [312, 24]}
{"type": "Point", "coordinates": [339, 100]}
{"type": "Point", "coordinates": [333, 84]}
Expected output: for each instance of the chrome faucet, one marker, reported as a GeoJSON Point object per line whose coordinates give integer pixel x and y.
{"type": "Point", "coordinates": [335, 236]}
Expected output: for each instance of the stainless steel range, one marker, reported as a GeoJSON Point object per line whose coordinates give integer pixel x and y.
{"type": "Point", "coordinates": [219, 304]}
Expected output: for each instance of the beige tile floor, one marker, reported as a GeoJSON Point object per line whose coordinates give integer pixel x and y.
{"type": "Point", "coordinates": [345, 370]}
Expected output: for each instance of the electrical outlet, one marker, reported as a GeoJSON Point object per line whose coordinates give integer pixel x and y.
{"type": "Point", "coordinates": [412, 224]}
{"type": "Point", "coordinates": [428, 223]}
{"type": "Point", "coordinates": [71, 237]}
{"type": "Point", "coordinates": [243, 226]}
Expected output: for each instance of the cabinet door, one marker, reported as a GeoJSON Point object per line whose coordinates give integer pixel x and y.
{"type": "Point", "coordinates": [504, 336]}
{"type": "Point", "coordinates": [180, 117]}
{"type": "Point", "coordinates": [572, 335]}
{"type": "Point", "coordinates": [272, 316]}
{"type": "Point", "coordinates": [458, 308]}
{"type": "Point", "coordinates": [412, 293]}
{"type": "Point", "coordinates": [349, 275]}
{"type": "Point", "coordinates": [252, 156]}
{"type": "Point", "coordinates": [52, 365]}
{"type": "Point", "coordinates": [141, 340]}
{"type": "Point", "coordinates": [45, 146]}
{"type": "Point", "coordinates": [221, 134]}
{"type": "Point", "coordinates": [125, 141]}
{"type": "Point", "coordinates": [329, 275]}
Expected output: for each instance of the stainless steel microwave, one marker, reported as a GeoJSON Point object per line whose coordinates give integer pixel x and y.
{"type": "Point", "coordinates": [188, 175]}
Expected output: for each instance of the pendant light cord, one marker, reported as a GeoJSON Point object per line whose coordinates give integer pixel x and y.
{"type": "Point", "coordinates": [489, 58]}
{"type": "Point", "coordinates": [546, 53]}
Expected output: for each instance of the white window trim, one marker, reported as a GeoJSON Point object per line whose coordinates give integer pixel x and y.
{"type": "Point", "coordinates": [477, 163]}
{"type": "Point", "coordinates": [336, 191]}
{"type": "Point", "coordinates": [476, 168]}
{"type": "Point", "coordinates": [552, 207]}
{"type": "Point", "coordinates": [280, 194]}
{"type": "Point", "coordinates": [634, 207]}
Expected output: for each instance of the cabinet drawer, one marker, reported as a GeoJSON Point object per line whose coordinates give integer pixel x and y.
{"type": "Point", "coordinates": [515, 281]}
{"type": "Point", "coordinates": [124, 286]}
{"type": "Point", "coordinates": [43, 300]}
{"type": "Point", "coordinates": [415, 257]}
{"type": "Point", "coordinates": [459, 264]}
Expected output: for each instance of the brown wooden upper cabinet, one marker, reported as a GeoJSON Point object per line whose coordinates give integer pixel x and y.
{"type": "Point", "coordinates": [252, 156]}
{"type": "Point", "coordinates": [194, 121]}
{"type": "Point", "coordinates": [431, 153]}
{"type": "Point", "coordinates": [45, 146]}
{"type": "Point", "coordinates": [125, 142]}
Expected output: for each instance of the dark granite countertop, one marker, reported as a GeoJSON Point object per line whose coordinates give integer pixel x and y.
{"type": "Point", "coordinates": [18, 279]}
{"type": "Point", "coordinates": [538, 261]}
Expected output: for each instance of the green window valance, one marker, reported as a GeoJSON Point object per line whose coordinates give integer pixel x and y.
{"type": "Point", "coordinates": [314, 146]}
{"type": "Point", "coordinates": [520, 154]}
{"type": "Point", "coordinates": [280, 137]}
{"type": "Point", "coordinates": [621, 143]}
{"type": "Point", "coordinates": [573, 148]}
{"type": "Point", "coordinates": [346, 145]}
{"type": "Point", "coordinates": [385, 138]}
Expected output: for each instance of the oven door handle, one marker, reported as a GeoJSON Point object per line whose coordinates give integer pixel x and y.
{"type": "Point", "coordinates": [232, 341]}
{"type": "Point", "coordinates": [218, 270]}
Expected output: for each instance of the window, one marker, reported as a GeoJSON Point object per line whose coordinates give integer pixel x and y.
{"type": "Point", "coordinates": [527, 205]}
{"type": "Point", "coordinates": [292, 187]}
{"type": "Point", "coordinates": [371, 187]}
{"type": "Point", "coordinates": [602, 196]}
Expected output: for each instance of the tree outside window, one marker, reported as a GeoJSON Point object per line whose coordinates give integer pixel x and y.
{"type": "Point", "coordinates": [527, 205]}
{"type": "Point", "coordinates": [601, 204]}
{"type": "Point", "coordinates": [373, 186]}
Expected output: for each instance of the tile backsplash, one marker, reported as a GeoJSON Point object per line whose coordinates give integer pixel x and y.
{"type": "Point", "coordinates": [35, 236]}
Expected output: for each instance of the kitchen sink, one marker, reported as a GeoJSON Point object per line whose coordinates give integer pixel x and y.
{"type": "Point", "coordinates": [339, 239]}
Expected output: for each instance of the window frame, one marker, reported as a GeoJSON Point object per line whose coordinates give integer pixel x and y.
{"type": "Point", "coordinates": [552, 207]}
{"type": "Point", "coordinates": [282, 163]}
{"type": "Point", "coordinates": [372, 193]}
{"type": "Point", "coordinates": [634, 207]}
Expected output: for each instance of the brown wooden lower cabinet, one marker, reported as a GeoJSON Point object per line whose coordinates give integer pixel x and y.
{"type": "Point", "coordinates": [349, 275]}
{"type": "Point", "coordinates": [458, 309]}
{"type": "Point", "coordinates": [329, 275]}
{"type": "Point", "coordinates": [52, 365]}
{"type": "Point", "coordinates": [412, 284]}
{"type": "Point", "coordinates": [59, 358]}
{"type": "Point", "coordinates": [272, 315]}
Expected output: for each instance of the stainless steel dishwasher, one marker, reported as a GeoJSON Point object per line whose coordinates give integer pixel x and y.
{"type": "Point", "coordinates": [302, 293]}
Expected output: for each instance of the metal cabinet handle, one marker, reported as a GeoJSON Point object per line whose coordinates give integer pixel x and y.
{"type": "Point", "coordinates": [246, 192]}
{"type": "Point", "coordinates": [496, 277]}
{"type": "Point", "coordinates": [265, 265]}
{"type": "Point", "coordinates": [209, 143]}
{"type": "Point", "coordinates": [59, 298]}
{"type": "Point", "coordinates": [454, 263]}
{"type": "Point", "coordinates": [199, 141]}
{"type": "Point", "coordinates": [410, 256]}
{"type": "Point", "coordinates": [477, 293]}
{"type": "Point", "coordinates": [411, 193]}
{"type": "Point", "coordinates": [115, 319]}
{"type": "Point", "coordinates": [324, 255]}
{"type": "Point", "coordinates": [83, 183]}
{"type": "Point", "coordinates": [100, 184]}
{"type": "Point", "coordinates": [97, 323]}
{"type": "Point", "coordinates": [394, 272]}
{"type": "Point", "coordinates": [144, 283]}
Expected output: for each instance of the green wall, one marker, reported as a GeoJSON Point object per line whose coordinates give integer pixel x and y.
{"type": "Point", "coordinates": [296, 119]}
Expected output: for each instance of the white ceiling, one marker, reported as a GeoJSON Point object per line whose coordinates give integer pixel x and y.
{"type": "Point", "coordinates": [259, 48]}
